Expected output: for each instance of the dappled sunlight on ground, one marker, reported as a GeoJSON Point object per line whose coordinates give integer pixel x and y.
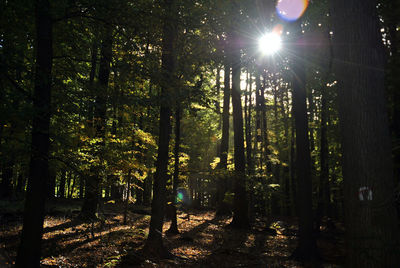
{"type": "Point", "coordinates": [204, 241]}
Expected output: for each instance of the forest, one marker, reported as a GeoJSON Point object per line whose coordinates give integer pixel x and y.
{"type": "Point", "coordinates": [199, 133]}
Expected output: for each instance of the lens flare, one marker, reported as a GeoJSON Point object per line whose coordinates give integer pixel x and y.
{"type": "Point", "coordinates": [269, 43]}
{"type": "Point", "coordinates": [179, 197]}
{"type": "Point", "coordinates": [291, 10]}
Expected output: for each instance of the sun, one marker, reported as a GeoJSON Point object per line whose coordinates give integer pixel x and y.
{"type": "Point", "coordinates": [269, 43]}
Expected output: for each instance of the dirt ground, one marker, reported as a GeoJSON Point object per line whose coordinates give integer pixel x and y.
{"type": "Point", "coordinates": [204, 241]}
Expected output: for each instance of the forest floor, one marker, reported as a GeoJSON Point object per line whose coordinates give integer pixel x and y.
{"type": "Point", "coordinates": [204, 241]}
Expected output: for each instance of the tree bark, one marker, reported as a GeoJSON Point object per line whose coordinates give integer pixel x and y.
{"type": "Point", "coordinates": [174, 222]}
{"type": "Point", "coordinates": [223, 164]}
{"type": "Point", "coordinates": [264, 129]}
{"type": "Point", "coordinates": [370, 214]}
{"type": "Point", "coordinates": [287, 158]}
{"type": "Point", "coordinates": [248, 108]}
{"type": "Point", "coordinates": [240, 207]}
{"type": "Point", "coordinates": [30, 246]}
{"type": "Point", "coordinates": [306, 249]}
{"type": "Point", "coordinates": [324, 202]}
{"type": "Point", "coordinates": [218, 93]}
{"type": "Point", "coordinates": [154, 242]}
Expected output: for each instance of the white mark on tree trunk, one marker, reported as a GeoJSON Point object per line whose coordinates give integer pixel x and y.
{"type": "Point", "coordinates": [364, 193]}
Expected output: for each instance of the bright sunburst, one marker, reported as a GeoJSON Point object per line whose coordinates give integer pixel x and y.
{"type": "Point", "coordinates": [269, 43]}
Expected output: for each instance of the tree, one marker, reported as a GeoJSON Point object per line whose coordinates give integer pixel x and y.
{"type": "Point", "coordinates": [174, 222]}
{"type": "Point", "coordinates": [240, 208]}
{"type": "Point", "coordinates": [371, 224]}
{"type": "Point", "coordinates": [306, 249]}
{"type": "Point", "coordinates": [30, 245]}
{"type": "Point", "coordinates": [225, 110]}
{"type": "Point", "coordinates": [223, 153]}
{"type": "Point", "coordinates": [154, 242]}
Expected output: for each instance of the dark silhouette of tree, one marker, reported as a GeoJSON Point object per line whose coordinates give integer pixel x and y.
{"type": "Point", "coordinates": [306, 249]}
{"type": "Point", "coordinates": [370, 215]}
{"type": "Point", "coordinates": [240, 207]}
{"type": "Point", "coordinates": [154, 242]}
{"type": "Point", "coordinates": [174, 222]}
{"type": "Point", "coordinates": [225, 110]}
{"type": "Point", "coordinates": [223, 153]}
{"type": "Point", "coordinates": [30, 245]}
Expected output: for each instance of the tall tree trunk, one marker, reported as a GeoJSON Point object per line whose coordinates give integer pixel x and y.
{"type": "Point", "coordinates": [370, 214]}
{"type": "Point", "coordinates": [286, 169]}
{"type": "Point", "coordinates": [306, 249]}
{"type": "Point", "coordinates": [249, 151]}
{"type": "Point", "coordinates": [276, 207]}
{"type": "Point", "coordinates": [248, 108]}
{"type": "Point", "coordinates": [311, 108]}
{"type": "Point", "coordinates": [292, 157]}
{"type": "Point", "coordinates": [225, 113]}
{"type": "Point", "coordinates": [218, 93]}
{"type": "Point", "coordinates": [258, 148]}
{"type": "Point", "coordinates": [240, 207]}
{"type": "Point", "coordinates": [92, 191]}
{"type": "Point", "coordinates": [174, 222]}
{"type": "Point", "coordinates": [154, 242]}
{"type": "Point", "coordinates": [223, 164]}
{"type": "Point", "coordinates": [264, 128]}
{"type": "Point", "coordinates": [30, 246]}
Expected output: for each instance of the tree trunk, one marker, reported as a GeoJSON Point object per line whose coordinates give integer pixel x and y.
{"type": "Point", "coordinates": [292, 169]}
{"type": "Point", "coordinates": [147, 185]}
{"type": "Point", "coordinates": [324, 202]}
{"type": "Point", "coordinates": [225, 113]}
{"type": "Point", "coordinates": [69, 180]}
{"type": "Point", "coordinates": [264, 129]}
{"type": "Point", "coordinates": [248, 108]}
{"type": "Point", "coordinates": [126, 204]}
{"type": "Point", "coordinates": [6, 179]}
{"type": "Point", "coordinates": [287, 158]}
{"type": "Point", "coordinates": [223, 164]}
{"type": "Point", "coordinates": [276, 207]}
{"type": "Point", "coordinates": [154, 242]}
{"type": "Point", "coordinates": [30, 246]}
{"type": "Point", "coordinates": [306, 249]}
{"type": "Point", "coordinates": [240, 207]}
{"type": "Point", "coordinates": [258, 148]}
{"type": "Point", "coordinates": [81, 187]}
{"type": "Point", "coordinates": [370, 214]}
{"type": "Point", "coordinates": [21, 182]}
{"type": "Point", "coordinates": [61, 188]}
{"type": "Point", "coordinates": [218, 93]}
{"type": "Point", "coordinates": [324, 192]}
{"type": "Point", "coordinates": [93, 67]}
{"type": "Point", "coordinates": [72, 187]}
{"type": "Point", "coordinates": [174, 222]}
